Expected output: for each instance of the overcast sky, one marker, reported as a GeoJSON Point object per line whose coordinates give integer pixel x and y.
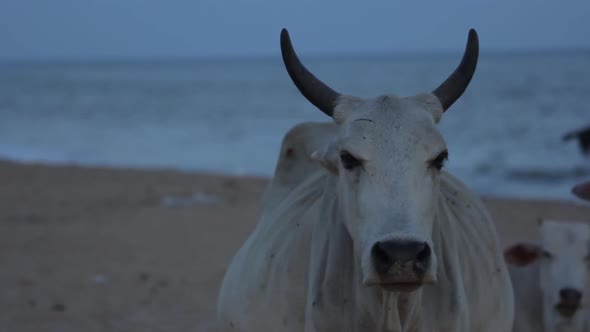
{"type": "Point", "coordinates": [42, 29]}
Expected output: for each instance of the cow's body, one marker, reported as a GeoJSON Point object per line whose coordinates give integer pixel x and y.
{"type": "Point", "coordinates": [297, 271]}
{"type": "Point", "coordinates": [295, 162]}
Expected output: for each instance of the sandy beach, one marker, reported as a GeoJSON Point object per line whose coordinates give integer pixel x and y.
{"type": "Point", "coordinates": [96, 249]}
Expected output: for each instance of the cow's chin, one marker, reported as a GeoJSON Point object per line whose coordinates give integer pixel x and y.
{"type": "Point", "coordinates": [567, 311]}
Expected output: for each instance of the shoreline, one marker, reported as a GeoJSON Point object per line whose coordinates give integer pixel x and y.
{"type": "Point", "coordinates": [221, 174]}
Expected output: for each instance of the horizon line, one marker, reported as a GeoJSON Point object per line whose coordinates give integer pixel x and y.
{"type": "Point", "coordinates": [147, 59]}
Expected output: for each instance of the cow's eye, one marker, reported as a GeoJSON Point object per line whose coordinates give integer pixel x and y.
{"type": "Point", "coordinates": [349, 161]}
{"type": "Point", "coordinates": [439, 161]}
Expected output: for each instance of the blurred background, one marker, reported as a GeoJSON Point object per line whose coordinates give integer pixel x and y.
{"type": "Point", "coordinates": [199, 85]}
{"type": "Point", "coordinates": [187, 103]}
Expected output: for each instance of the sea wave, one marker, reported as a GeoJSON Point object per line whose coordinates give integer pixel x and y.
{"type": "Point", "coordinates": [548, 175]}
{"type": "Point", "coordinates": [504, 135]}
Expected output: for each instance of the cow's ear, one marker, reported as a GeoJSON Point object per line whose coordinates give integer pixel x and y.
{"type": "Point", "coordinates": [431, 103]}
{"type": "Point", "coordinates": [328, 158]}
{"type": "Point", "coordinates": [582, 191]}
{"type": "Point", "coordinates": [522, 254]}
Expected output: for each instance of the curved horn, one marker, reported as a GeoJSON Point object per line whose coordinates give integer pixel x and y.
{"type": "Point", "coordinates": [314, 90]}
{"type": "Point", "coordinates": [454, 86]}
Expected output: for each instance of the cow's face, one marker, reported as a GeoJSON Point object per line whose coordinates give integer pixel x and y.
{"type": "Point", "coordinates": [388, 155]}
{"type": "Point", "coordinates": [563, 255]}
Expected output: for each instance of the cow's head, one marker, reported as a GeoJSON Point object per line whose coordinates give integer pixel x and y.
{"type": "Point", "coordinates": [388, 155]}
{"type": "Point", "coordinates": [563, 255]}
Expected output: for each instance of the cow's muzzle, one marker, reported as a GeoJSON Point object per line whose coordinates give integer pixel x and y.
{"type": "Point", "coordinates": [401, 264]}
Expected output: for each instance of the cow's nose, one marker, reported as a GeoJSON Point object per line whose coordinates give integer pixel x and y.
{"type": "Point", "coordinates": [570, 296]}
{"type": "Point", "coordinates": [386, 254]}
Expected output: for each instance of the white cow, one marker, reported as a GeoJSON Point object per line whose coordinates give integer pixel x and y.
{"type": "Point", "coordinates": [550, 279]}
{"type": "Point", "coordinates": [361, 230]}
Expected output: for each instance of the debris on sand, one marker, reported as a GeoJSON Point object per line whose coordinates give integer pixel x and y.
{"type": "Point", "coordinates": [58, 307]}
{"type": "Point", "coordinates": [195, 199]}
{"type": "Point", "coordinates": [144, 276]}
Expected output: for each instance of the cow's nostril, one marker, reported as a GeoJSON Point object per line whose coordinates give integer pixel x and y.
{"type": "Point", "coordinates": [424, 254]}
{"type": "Point", "coordinates": [422, 259]}
{"type": "Point", "coordinates": [570, 295]}
{"type": "Point", "coordinates": [381, 258]}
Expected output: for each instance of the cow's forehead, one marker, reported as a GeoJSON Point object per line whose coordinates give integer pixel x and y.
{"type": "Point", "coordinates": [563, 235]}
{"type": "Point", "coordinates": [389, 117]}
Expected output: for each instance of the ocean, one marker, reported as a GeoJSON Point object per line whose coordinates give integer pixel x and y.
{"type": "Point", "coordinates": [228, 116]}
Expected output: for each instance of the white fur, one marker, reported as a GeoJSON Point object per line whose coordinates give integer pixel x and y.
{"type": "Point", "coordinates": [305, 266]}
{"type": "Point", "coordinates": [537, 284]}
